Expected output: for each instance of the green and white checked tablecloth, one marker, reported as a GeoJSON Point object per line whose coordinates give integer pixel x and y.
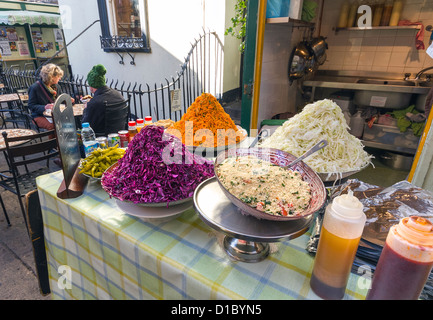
{"type": "Point", "coordinates": [112, 255]}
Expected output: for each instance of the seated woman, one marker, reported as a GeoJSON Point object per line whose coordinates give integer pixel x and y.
{"type": "Point", "coordinates": [43, 93]}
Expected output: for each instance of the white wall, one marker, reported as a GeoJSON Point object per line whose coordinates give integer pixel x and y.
{"type": "Point", "coordinates": [276, 94]}
{"type": "Point", "coordinates": [173, 26]}
{"type": "Point", "coordinates": [232, 55]}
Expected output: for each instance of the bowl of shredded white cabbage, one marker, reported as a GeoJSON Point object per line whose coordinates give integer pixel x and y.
{"type": "Point", "coordinates": [343, 156]}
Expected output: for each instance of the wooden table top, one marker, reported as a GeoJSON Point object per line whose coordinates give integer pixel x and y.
{"type": "Point", "coordinates": [77, 108]}
{"type": "Point", "coordinates": [8, 97]}
{"type": "Point", "coordinates": [12, 133]}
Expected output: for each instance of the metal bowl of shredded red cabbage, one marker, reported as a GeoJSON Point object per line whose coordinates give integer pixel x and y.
{"type": "Point", "coordinates": [156, 170]}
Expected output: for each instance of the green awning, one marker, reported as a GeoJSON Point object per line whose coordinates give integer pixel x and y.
{"type": "Point", "coordinates": [31, 17]}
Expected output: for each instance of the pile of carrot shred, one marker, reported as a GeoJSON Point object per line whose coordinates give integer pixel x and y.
{"type": "Point", "coordinates": [206, 113]}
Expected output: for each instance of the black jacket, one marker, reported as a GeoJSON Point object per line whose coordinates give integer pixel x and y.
{"type": "Point", "coordinates": [39, 97]}
{"type": "Point", "coordinates": [94, 113]}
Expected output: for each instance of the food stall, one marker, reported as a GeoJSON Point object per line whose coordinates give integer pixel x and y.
{"type": "Point", "coordinates": [180, 216]}
{"type": "Point", "coordinates": [29, 38]}
{"type": "Point", "coordinates": [114, 255]}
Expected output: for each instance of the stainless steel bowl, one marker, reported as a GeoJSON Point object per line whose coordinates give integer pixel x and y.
{"type": "Point", "coordinates": [319, 46]}
{"type": "Point", "coordinates": [282, 159]}
{"type": "Point", "coordinates": [301, 61]}
{"type": "Point", "coordinates": [328, 177]}
{"type": "Point", "coordinates": [397, 161]}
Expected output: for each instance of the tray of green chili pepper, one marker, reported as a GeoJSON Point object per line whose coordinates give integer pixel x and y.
{"type": "Point", "coordinates": [95, 164]}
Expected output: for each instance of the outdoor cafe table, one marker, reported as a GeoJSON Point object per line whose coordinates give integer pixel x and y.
{"type": "Point", "coordinates": [77, 109]}
{"type": "Point", "coordinates": [96, 251]}
{"type": "Point", "coordinates": [13, 133]}
{"type": "Point", "coordinates": [9, 97]}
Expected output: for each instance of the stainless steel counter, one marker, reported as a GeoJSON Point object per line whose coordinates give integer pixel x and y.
{"type": "Point", "coordinates": [369, 84]}
{"type": "Point", "coordinates": [383, 90]}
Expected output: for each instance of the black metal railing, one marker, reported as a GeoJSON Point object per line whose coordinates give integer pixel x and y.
{"type": "Point", "coordinates": [201, 72]}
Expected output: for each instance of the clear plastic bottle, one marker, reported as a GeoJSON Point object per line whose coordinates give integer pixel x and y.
{"type": "Point", "coordinates": [344, 12]}
{"type": "Point", "coordinates": [405, 262]}
{"type": "Point", "coordinates": [396, 13]}
{"type": "Point", "coordinates": [89, 138]}
{"type": "Point", "coordinates": [140, 124]}
{"type": "Point", "coordinates": [351, 19]}
{"type": "Point", "coordinates": [386, 14]}
{"type": "Point", "coordinates": [357, 123]}
{"type": "Point", "coordinates": [341, 231]}
{"type": "Point", "coordinates": [377, 14]}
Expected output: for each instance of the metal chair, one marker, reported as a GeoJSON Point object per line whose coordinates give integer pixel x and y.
{"type": "Point", "coordinates": [36, 228]}
{"type": "Point", "coordinates": [2, 122]}
{"type": "Point", "coordinates": [17, 112]}
{"type": "Point", "coordinates": [28, 158]}
{"type": "Point", "coordinates": [24, 107]}
{"type": "Point", "coordinates": [116, 117]}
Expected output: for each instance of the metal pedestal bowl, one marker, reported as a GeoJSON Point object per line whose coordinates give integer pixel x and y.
{"type": "Point", "coordinates": [246, 238]}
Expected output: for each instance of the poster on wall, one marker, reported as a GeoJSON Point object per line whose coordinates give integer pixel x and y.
{"type": "Point", "coordinates": [37, 41]}
{"type": "Point", "coordinates": [5, 48]}
{"type": "Point", "coordinates": [58, 36]}
{"type": "Point", "coordinates": [13, 46]}
{"type": "Point", "coordinates": [23, 48]}
{"type": "Point", "coordinates": [3, 33]}
{"type": "Point", "coordinates": [59, 46]}
{"type": "Point", "coordinates": [12, 34]}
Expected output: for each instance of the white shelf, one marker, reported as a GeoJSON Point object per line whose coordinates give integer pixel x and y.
{"type": "Point", "coordinates": [289, 21]}
{"type": "Point", "coordinates": [414, 27]}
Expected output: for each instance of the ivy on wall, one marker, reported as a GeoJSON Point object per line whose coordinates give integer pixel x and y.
{"type": "Point", "coordinates": [238, 27]}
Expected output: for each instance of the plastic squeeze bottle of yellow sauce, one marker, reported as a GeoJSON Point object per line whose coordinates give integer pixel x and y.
{"type": "Point", "coordinates": [405, 262]}
{"type": "Point", "coordinates": [341, 231]}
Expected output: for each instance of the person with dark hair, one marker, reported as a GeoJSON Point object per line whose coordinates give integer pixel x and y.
{"type": "Point", "coordinates": [94, 112]}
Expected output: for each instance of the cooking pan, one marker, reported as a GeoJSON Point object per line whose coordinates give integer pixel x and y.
{"type": "Point", "coordinates": [319, 46]}
{"type": "Point", "coordinates": [282, 159]}
{"type": "Point", "coordinates": [300, 61]}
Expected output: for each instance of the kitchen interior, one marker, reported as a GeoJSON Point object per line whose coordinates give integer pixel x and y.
{"type": "Point", "coordinates": [376, 75]}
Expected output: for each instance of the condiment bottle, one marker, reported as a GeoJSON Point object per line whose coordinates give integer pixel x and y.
{"type": "Point", "coordinates": [377, 14]}
{"type": "Point", "coordinates": [344, 12]}
{"type": "Point", "coordinates": [396, 13]}
{"type": "Point", "coordinates": [352, 14]}
{"type": "Point", "coordinates": [147, 120]}
{"type": "Point", "coordinates": [140, 124]}
{"type": "Point", "coordinates": [357, 123]}
{"type": "Point", "coordinates": [341, 231]}
{"type": "Point", "coordinates": [132, 130]}
{"type": "Point", "coordinates": [124, 138]}
{"type": "Point", "coordinates": [405, 262]}
{"type": "Point", "coordinates": [387, 10]}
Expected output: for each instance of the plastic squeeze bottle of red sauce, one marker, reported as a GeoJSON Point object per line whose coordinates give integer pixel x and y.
{"type": "Point", "coordinates": [405, 262]}
{"type": "Point", "coordinates": [341, 231]}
